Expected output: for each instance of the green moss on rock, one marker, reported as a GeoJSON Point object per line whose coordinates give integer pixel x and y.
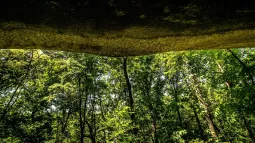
{"type": "Point", "coordinates": [128, 41]}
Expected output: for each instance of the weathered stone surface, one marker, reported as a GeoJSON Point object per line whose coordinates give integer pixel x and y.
{"type": "Point", "coordinates": [125, 41]}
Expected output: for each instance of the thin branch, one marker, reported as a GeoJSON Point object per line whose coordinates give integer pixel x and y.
{"type": "Point", "coordinates": [243, 65]}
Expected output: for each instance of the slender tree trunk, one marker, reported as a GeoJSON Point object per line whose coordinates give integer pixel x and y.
{"type": "Point", "coordinates": [20, 84]}
{"type": "Point", "coordinates": [91, 134]}
{"type": "Point", "coordinates": [205, 106]}
{"type": "Point", "coordinates": [130, 95]}
{"type": "Point", "coordinates": [208, 116]}
{"type": "Point", "coordinates": [80, 114]}
{"type": "Point", "coordinates": [201, 131]}
{"type": "Point", "coordinates": [65, 122]}
{"type": "Point", "coordinates": [9, 103]}
{"type": "Point", "coordinates": [146, 93]}
{"type": "Point", "coordinates": [246, 124]}
{"type": "Point", "coordinates": [82, 109]}
{"type": "Point", "coordinates": [155, 131]}
{"type": "Point", "coordinates": [174, 84]}
{"type": "Point", "coordinates": [244, 66]}
{"type": "Point", "coordinates": [103, 117]}
{"type": "Point", "coordinates": [246, 69]}
{"type": "Point", "coordinates": [93, 118]}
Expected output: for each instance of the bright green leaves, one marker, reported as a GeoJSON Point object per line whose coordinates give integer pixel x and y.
{"type": "Point", "coordinates": [119, 123]}
{"type": "Point", "coordinates": [59, 93]}
{"type": "Point", "coordinates": [177, 136]}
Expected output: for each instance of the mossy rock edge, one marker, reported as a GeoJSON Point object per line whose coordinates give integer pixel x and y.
{"type": "Point", "coordinates": [128, 41]}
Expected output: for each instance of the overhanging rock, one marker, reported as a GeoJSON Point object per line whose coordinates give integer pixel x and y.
{"type": "Point", "coordinates": [132, 40]}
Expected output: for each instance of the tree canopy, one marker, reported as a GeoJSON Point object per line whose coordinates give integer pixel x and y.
{"type": "Point", "coordinates": [193, 96]}
{"type": "Point", "coordinates": [126, 28]}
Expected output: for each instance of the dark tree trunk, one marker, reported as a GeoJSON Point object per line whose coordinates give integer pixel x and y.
{"type": "Point", "coordinates": [207, 114]}
{"type": "Point", "coordinates": [155, 131]}
{"type": "Point", "coordinates": [80, 115]}
{"type": "Point", "coordinates": [201, 131]}
{"type": "Point", "coordinates": [103, 117]}
{"type": "Point", "coordinates": [65, 121]}
{"type": "Point", "coordinates": [130, 95]}
{"type": "Point", "coordinates": [201, 99]}
{"type": "Point", "coordinates": [174, 81]}
{"type": "Point", "coordinates": [82, 109]}
{"type": "Point", "coordinates": [20, 84]}
{"type": "Point", "coordinates": [246, 69]}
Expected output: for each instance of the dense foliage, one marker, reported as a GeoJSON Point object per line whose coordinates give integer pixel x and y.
{"type": "Point", "coordinates": [196, 96]}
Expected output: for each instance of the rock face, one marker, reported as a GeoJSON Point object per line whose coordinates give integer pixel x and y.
{"type": "Point", "coordinates": [113, 29]}
{"type": "Point", "coordinates": [129, 41]}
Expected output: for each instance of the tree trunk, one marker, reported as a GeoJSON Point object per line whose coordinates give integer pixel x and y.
{"type": "Point", "coordinates": [103, 117]}
{"type": "Point", "coordinates": [205, 106]}
{"type": "Point", "coordinates": [130, 95]}
{"type": "Point", "coordinates": [201, 131]}
{"type": "Point", "coordinates": [80, 115]}
{"type": "Point", "coordinates": [65, 121]}
{"type": "Point", "coordinates": [20, 84]}
{"type": "Point", "coordinates": [244, 66]}
{"type": "Point", "coordinates": [174, 84]}
{"type": "Point", "coordinates": [155, 131]}
{"type": "Point", "coordinates": [246, 124]}
{"type": "Point", "coordinates": [91, 133]}
{"type": "Point", "coordinates": [208, 116]}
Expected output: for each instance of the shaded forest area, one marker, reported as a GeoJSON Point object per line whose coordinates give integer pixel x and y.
{"type": "Point", "coordinates": [123, 11]}
{"type": "Point", "coordinates": [61, 97]}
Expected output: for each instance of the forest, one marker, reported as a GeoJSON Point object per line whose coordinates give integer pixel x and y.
{"type": "Point", "coordinates": [187, 96]}
{"type": "Point", "coordinates": [127, 71]}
